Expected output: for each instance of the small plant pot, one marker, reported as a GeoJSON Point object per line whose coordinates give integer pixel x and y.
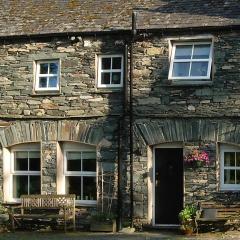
{"type": "Point", "coordinates": [188, 231]}
{"type": "Point", "coordinates": [4, 217]}
{"type": "Point", "coordinates": [105, 226]}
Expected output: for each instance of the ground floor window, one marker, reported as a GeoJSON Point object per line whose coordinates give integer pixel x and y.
{"type": "Point", "coordinates": [230, 167]}
{"type": "Point", "coordinates": [26, 173]}
{"type": "Point", "coordinates": [21, 167]}
{"type": "Point", "coordinates": [79, 172]}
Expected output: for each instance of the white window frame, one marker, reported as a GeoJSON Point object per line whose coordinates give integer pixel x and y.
{"type": "Point", "coordinates": [223, 186]}
{"type": "Point", "coordinates": [8, 168]}
{"type": "Point", "coordinates": [209, 60]}
{"type": "Point", "coordinates": [100, 70]}
{"type": "Point", "coordinates": [75, 147]}
{"type": "Point", "coordinates": [38, 75]}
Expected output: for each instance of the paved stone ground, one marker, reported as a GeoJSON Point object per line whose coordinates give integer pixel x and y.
{"type": "Point", "coordinates": [234, 235]}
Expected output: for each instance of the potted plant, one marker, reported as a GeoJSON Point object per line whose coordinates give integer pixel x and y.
{"type": "Point", "coordinates": [4, 217]}
{"type": "Point", "coordinates": [103, 222]}
{"type": "Point", "coordinates": [187, 219]}
{"type": "Point", "coordinates": [196, 158]}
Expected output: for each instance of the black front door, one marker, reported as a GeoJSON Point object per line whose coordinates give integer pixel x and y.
{"type": "Point", "coordinates": [168, 185]}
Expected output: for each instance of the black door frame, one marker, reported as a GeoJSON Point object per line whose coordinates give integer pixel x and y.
{"type": "Point", "coordinates": [163, 145]}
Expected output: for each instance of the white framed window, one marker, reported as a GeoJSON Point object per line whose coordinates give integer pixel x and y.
{"type": "Point", "coordinates": [77, 172]}
{"type": "Point", "coordinates": [110, 71]}
{"type": "Point", "coordinates": [21, 165]}
{"type": "Point", "coordinates": [47, 75]}
{"type": "Point", "coordinates": [229, 168]}
{"type": "Point", "coordinates": [191, 60]}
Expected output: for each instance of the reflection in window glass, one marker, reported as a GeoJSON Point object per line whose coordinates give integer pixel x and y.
{"type": "Point", "coordinates": [106, 63]}
{"type": "Point", "coordinates": [20, 185]}
{"type": "Point", "coordinates": [117, 63]}
{"type": "Point", "coordinates": [229, 159]}
{"type": "Point", "coordinates": [53, 82]}
{"type": "Point", "coordinates": [105, 78]}
{"type": "Point", "coordinates": [21, 161]}
{"type": "Point", "coordinates": [74, 161]}
{"type": "Point", "coordinates": [201, 51]}
{"type": "Point", "coordinates": [42, 82]}
{"type": "Point", "coordinates": [73, 186]}
{"type": "Point", "coordinates": [53, 68]}
{"type": "Point", "coordinates": [199, 69]}
{"type": "Point", "coordinates": [229, 176]}
{"type": "Point", "coordinates": [44, 68]}
{"type": "Point", "coordinates": [116, 78]}
{"type": "Point", "coordinates": [89, 189]}
{"type": "Point", "coordinates": [34, 184]}
{"type": "Point", "coordinates": [181, 69]}
{"type": "Point", "coordinates": [34, 161]}
{"type": "Point", "coordinates": [183, 52]}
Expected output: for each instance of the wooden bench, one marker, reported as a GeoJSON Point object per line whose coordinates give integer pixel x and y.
{"type": "Point", "coordinates": [45, 207]}
{"type": "Point", "coordinates": [216, 213]}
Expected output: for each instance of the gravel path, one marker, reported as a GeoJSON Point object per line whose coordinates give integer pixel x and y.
{"type": "Point", "coordinates": [118, 236]}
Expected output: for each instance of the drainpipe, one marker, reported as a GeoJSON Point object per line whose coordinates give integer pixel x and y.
{"type": "Point", "coordinates": [134, 31]}
{"type": "Point", "coordinates": [122, 137]}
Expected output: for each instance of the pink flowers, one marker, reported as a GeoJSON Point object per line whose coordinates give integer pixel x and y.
{"type": "Point", "coordinates": [198, 157]}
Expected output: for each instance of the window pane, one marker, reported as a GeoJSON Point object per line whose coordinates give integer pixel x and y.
{"type": "Point", "coordinates": [73, 186]}
{"type": "Point", "coordinates": [201, 51]}
{"type": "Point", "coordinates": [229, 159]}
{"type": "Point", "coordinates": [34, 161]}
{"type": "Point", "coordinates": [238, 159]}
{"type": "Point", "coordinates": [34, 185]}
{"type": "Point", "coordinates": [229, 176]}
{"type": "Point", "coordinates": [21, 161]}
{"type": "Point", "coordinates": [105, 78]}
{"type": "Point", "coordinates": [199, 69]}
{"type": "Point", "coordinates": [116, 78]}
{"type": "Point", "coordinates": [73, 161]}
{"type": "Point", "coordinates": [89, 188]}
{"type": "Point", "coordinates": [117, 63]}
{"type": "Point", "coordinates": [53, 82]}
{"type": "Point", "coordinates": [106, 63]}
{"type": "Point", "coordinates": [183, 52]}
{"type": "Point", "coordinates": [237, 176]}
{"type": "Point", "coordinates": [181, 69]}
{"type": "Point", "coordinates": [43, 68]}
{"type": "Point", "coordinates": [20, 186]}
{"type": "Point", "coordinates": [53, 68]}
{"type": "Point", "coordinates": [42, 82]}
{"type": "Point", "coordinates": [89, 161]}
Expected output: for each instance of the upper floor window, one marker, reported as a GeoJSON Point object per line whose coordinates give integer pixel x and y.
{"type": "Point", "coordinates": [191, 61]}
{"type": "Point", "coordinates": [110, 71]}
{"type": "Point", "coordinates": [47, 75]}
{"type": "Point", "coordinates": [230, 168]}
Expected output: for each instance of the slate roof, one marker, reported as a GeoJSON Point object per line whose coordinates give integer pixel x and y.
{"type": "Point", "coordinates": [27, 17]}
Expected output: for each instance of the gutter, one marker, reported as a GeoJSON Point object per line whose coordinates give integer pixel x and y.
{"type": "Point", "coordinates": [118, 32]}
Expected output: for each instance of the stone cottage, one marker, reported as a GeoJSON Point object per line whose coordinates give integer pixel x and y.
{"type": "Point", "coordinates": [94, 105]}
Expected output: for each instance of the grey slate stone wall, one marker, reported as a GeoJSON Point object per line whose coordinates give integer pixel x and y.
{"type": "Point", "coordinates": [78, 96]}
{"type": "Point", "coordinates": [155, 95]}
{"type": "Point", "coordinates": [48, 167]}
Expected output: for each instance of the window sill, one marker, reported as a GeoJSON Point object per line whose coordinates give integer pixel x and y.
{"type": "Point", "coordinates": [189, 83]}
{"type": "Point", "coordinates": [108, 90]}
{"type": "Point", "coordinates": [46, 93]}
